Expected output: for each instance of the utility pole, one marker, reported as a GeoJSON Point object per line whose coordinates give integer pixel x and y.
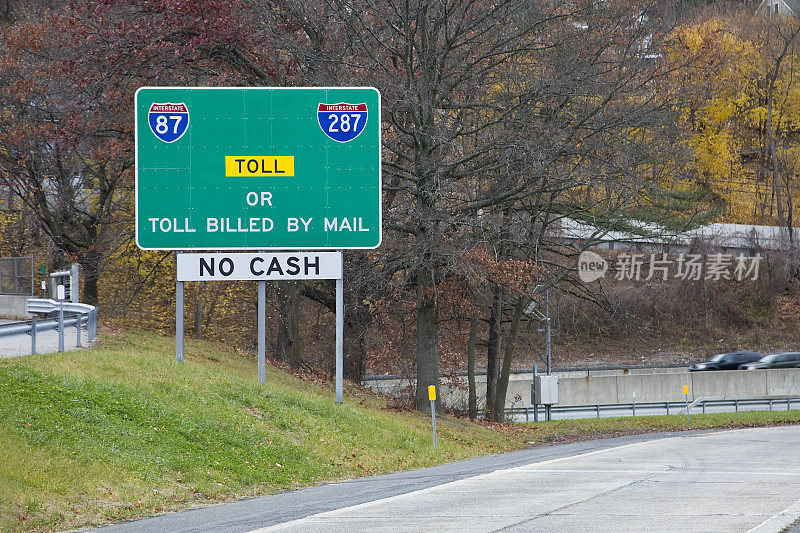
{"type": "Point", "coordinates": [549, 367]}
{"type": "Point", "coordinates": [549, 358]}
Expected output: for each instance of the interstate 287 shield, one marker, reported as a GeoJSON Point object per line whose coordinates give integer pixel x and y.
{"type": "Point", "coordinates": [342, 122]}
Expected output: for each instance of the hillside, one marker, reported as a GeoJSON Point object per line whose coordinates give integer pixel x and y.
{"type": "Point", "coordinates": [762, 321]}
{"type": "Point", "coordinates": [122, 431]}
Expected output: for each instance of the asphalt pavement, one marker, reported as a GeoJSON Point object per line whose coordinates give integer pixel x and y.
{"type": "Point", "coordinates": [737, 480]}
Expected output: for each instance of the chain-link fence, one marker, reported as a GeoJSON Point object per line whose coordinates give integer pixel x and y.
{"type": "Point", "coordinates": [16, 275]}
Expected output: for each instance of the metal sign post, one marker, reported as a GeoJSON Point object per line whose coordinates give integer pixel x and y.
{"type": "Point", "coordinates": [339, 339]}
{"type": "Point", "coordinates": [179, 321]}
{"type": "Point", "coordinates": [534, 399]}
{"type": "Point", "coordinates": [60, 292]}
{"type": "Point", "coordinates": [33, 335]}
{"type": "Point", "coordinates": [432, 398]}
{"type": "Point", "coordinates": [262, 330]}
{"type": "Point", "coordinates": [686, 396]}
{"type": "Point", "coordinates": [78, 332]}
{"type": "Point", "coordinates": [548, 408]}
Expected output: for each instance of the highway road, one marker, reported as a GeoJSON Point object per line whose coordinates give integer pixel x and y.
{"type": "Point", "coordinates": [736, 480]}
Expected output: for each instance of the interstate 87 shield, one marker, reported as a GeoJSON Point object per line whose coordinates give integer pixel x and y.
{"type": "Point", "coordinates": [257, 168]}
{"type": "Point", "coordinates": [168, 121]}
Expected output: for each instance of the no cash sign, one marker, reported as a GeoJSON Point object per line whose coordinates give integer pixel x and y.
{"type": "Point", "coordinates": [248, 266]}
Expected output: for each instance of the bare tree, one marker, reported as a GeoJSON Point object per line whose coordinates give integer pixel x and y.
{"type": "Point", "coordinates": [780, 42]}
{"type": "Point", "coordinates": [506, 116]}
{"type": "Point", "coordinates": [68, 75]}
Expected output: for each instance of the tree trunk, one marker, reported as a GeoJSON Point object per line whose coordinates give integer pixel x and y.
{"type": "Point", "coordinates": [288, 347]}
{"type": "Point", "coordinates": [355, 350]}
{"type": "Point", "coordinates": [198, 311]}
{"type": "Point", "coordinates": [5, 11]}
{"type": "Point", "coordinates": [472, 395]}
{"type": "Point", "coordinates": [498, 413]}
{"type": "Point", "coordinates": [777, 190]}
{"type": "Point", "coordinates": [493, 347]}
{"type": "Point", "coordinates": [90, 267]}
{"type": "Point", "coordinates": [427, 347]}
{"type": "Point", "coordinates": [790, 211]}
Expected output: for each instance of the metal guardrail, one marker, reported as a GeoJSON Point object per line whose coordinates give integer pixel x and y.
{"type": "Point", "coordinates": [743, 402]}
{"type": "Point", "coordinates": [78, 316]}
{"type": "Point", "coordinates": [623, 409]}
{"type": "Point", "coordinates": [46, 305]}
{"type": "Point", "coordinates": [25, 327]}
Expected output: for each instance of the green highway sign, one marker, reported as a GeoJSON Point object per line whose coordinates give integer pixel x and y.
{"type": "Point", "coordinates": [258, 168]}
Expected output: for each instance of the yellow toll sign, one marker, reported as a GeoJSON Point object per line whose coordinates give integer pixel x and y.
{"type": "Point", "coordinates": [256, 166]}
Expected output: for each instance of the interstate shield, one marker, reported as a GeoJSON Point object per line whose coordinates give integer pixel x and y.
{"type": "Point", "coordinates": [168, 121]}
{"type": "Point", "coordinates": [342, 122]}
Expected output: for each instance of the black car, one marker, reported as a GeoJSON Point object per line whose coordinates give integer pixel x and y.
{"type": "Point", "coordinates": [726, 361]}
{"type": "Point", "coordinates": [775, 360]}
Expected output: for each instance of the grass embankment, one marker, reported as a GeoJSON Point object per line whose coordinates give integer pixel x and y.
{"type": "Point", "coordinates": [122, 431]}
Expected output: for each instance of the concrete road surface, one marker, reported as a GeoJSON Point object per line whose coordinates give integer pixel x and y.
{"type": "Point", "coordinates": [739, 480]}
{"type": "Point", "coordinates": [46, 342]}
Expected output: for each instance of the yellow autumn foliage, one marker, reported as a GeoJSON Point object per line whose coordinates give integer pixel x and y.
{"type": "Point", "coordinates": [726, 124]}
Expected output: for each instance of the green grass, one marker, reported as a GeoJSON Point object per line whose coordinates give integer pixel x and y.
{"type": "Point", "coordinates": [123, 431]}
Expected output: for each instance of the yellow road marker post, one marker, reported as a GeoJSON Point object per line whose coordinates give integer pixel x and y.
{"type": "Point", "coordinates": [432, 398]}
{"type": "Point", "coordinates": [686, 395]}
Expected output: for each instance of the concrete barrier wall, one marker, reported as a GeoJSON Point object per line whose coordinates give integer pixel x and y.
{"type": "Point", "coordinates": [729, 384]}
{"type": "Point", "coordinates": [13, 306]}
{"type": "Point", "coordinates": [657, 387]}
{"type": "Point", "coordinates": [652, 388]}
{"type": "Point", "coordinates": [783, 382]}
{"type": "Point", "coordinates": [587, 390]}
{"type": "Point", "coordinates": [519, 391]}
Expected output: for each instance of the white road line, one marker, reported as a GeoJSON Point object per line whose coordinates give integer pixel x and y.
{"type": "Point", "coordinates": [664, 471]}
{"type": "Point", "coordinates": [780, 521]}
